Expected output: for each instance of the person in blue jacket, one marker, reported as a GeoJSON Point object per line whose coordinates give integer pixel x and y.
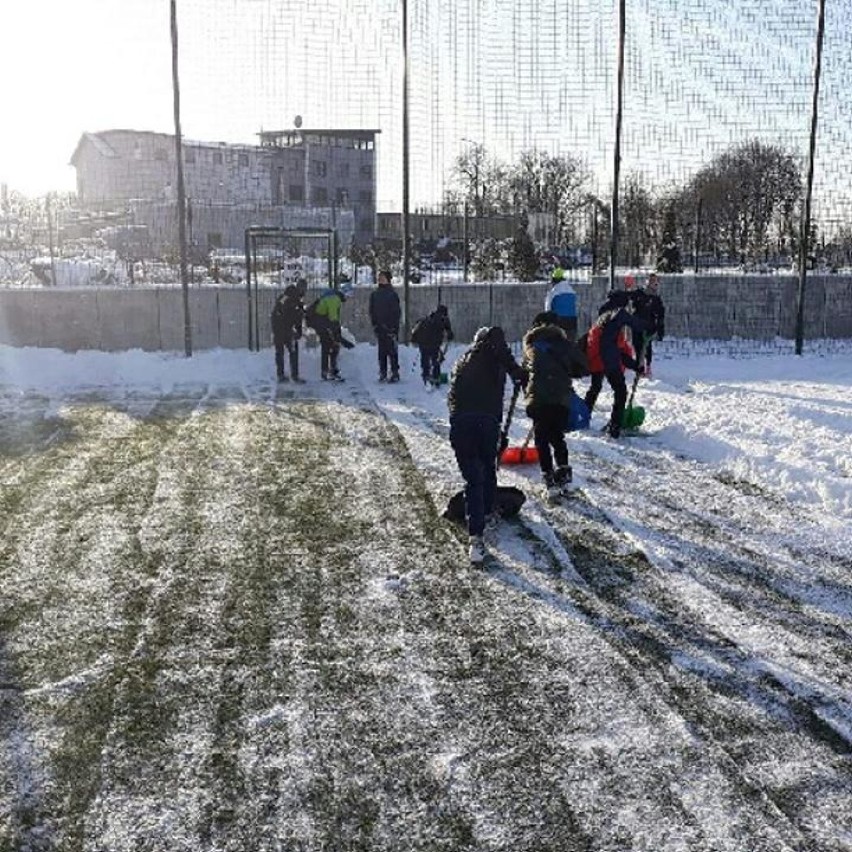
{"type": "Point", "coordinates": [385, 315]}
{"type": "Point", "coordinates": [562, 300]}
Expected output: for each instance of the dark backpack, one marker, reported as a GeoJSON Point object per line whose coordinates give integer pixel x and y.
{"type": "Point", "coordinates": [417, 332]}
{"type": "Point", "coordinates": [311, 316]}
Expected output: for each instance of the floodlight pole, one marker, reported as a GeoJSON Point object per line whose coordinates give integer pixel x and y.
{"type": "Point", "coordinates": [804, 238]}
{"type": "Point", "coordinates": [613, 239]}
{"type": "Point", "coordinates": [406, 249]}
{"type": "Point", "coordinates": [181, 192]}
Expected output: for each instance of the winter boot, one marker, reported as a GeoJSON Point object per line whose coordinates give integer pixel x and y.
{"type": "Point", "coordinates": [554, 491]}
{"type": "Point", "coordinates": [394, 378]}
{"type": "Point", "coordinates": [477, 550]}
{"type": "Point", "coordinates": [564, 478]}
{"type": "Point", "coordinates": [298, 380]}
{"type": "Point", "coordinates": [383, 377]}
{"type": "Point", "coordinates": [282, 377]}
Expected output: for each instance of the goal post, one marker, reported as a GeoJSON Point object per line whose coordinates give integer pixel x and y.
{"type": "Point", "coordinates": [276, 257]}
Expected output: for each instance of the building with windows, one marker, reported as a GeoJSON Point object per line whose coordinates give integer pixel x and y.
{"type": "Point", "coordinates": [289, 179]}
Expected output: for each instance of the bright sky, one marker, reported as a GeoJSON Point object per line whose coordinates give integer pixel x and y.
{"type": "Point", "coordinates": [511, 76]}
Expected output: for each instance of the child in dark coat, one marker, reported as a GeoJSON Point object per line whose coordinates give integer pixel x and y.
{"type": "Point", "coordinates": [286, 318]}
{"type": "Point", "coordinates": [475, 402]}
{"type": "Point", "coordinates": [429, 334]}
{"type": "Point", "coordinates": [551, 361]}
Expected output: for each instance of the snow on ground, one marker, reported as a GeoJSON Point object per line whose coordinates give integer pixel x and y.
{"type": "Point", "coordinates": [779, 421]}
{"type": "Point", "coordinates": [660, 664]}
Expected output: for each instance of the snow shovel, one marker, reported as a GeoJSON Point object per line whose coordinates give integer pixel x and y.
{"type": "Point", "coordinates": [634, 415]}
{"type": "Point", "coordinates": [525, 454]}
{"type": "Point", "coordinates": [443, 378]}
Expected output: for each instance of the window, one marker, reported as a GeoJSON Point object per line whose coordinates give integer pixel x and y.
{"type": "Point", "coordinates": [189, 156]}
{"type": "Point", "coordinates": [343, 170]}
{"type": "Point", "coordinates": [160, 155]}
{"type": "Point", "coordinates": [342, 196]}
{"type": "Point", "coordinates": [217, 158]}
{"type": "Point", "coordinates": [319, 195]}
{"type": "Point", "coordinates": [243, 159]}
{"type": "Point", "coordinates": [214, 240]}
{"type": "Point", "coordinates": [365, 196]}
{"type": "Point", "coordinates": [320, 168]}
{"type": "Point", "coordinates": [366, 172]}
{"type": "Point", "coordinates": [297, 192]}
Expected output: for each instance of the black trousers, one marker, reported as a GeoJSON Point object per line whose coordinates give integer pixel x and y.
{"type": "Point", "coordinates": [549, 433]}
{"type": "Point", "coordinates": [388, 352]}
{"type": "Point", "coordinates": [329, 349]}
{"type": "Point", "coordinates": [292, 347]}
{"type": "Point", "coordinates": [430, 363]}
{"type": "Point", "coordinates": [619, 389]}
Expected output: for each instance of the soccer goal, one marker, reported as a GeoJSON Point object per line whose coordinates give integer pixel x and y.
{"type": "Point", "coordinates": [276, 257]}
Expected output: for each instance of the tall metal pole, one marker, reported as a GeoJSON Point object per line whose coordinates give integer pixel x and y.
{"type": "Point", "coordinates": [406, 249]}
{"type": "Point", "coordinates": [806, 214]}
{"type": "Point", "coordinates": [464, 240]}
{"type": "Point", "coordinates": [613, 239]}
{"type": "Point", "coordinates": [181, 192]}
{"type": "Point", "coordinates": [698, 209]}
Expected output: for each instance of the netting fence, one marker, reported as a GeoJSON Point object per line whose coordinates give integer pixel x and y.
{"type": "Point", "coordinates": [292, 118]}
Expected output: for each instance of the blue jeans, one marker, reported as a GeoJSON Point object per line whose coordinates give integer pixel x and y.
{"type": "Point", "coordinates": [474, 438]}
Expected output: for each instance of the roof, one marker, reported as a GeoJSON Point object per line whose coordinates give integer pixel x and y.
{"type": "Point", "coordinates": [100, 144]}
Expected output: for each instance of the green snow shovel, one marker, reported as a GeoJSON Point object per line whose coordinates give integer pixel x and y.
{"type": "Point", "coordinates": [443, 377]}
{"type": "Point", "coordinates": [634, 415]}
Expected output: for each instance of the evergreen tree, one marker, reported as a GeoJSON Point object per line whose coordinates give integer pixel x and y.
{"type": "Point", "coordinates": [523, 260]}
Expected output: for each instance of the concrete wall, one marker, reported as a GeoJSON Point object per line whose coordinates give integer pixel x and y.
{"type": "Point", "coordinates": [718, 308]}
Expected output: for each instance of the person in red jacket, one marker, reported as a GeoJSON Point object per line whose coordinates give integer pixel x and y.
{"type": "Point", "coordinates": [609, 353]}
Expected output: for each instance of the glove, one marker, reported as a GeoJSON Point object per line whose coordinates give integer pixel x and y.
{"type": "Point", "coordinates": [504, 444]}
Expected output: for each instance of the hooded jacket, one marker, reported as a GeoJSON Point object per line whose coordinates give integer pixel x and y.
{"type": "Point", "coordinates": [478, 378]}
{"type": "Point", "coordinates": [551, 361]}
{"type": "Point", "coordinates": [608, 348]}
{"type": "Point", "coordinates": [287, 316]}
{"type": "Point", "coordinates": [385, 311]}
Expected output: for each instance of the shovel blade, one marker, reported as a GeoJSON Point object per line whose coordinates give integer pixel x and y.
{"type": "Point", "coordinates": [519, 455]}
{"type": "Point", "coordinates": [633, 417]}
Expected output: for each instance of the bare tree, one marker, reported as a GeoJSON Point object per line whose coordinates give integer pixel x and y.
{"type": "Point", "coordinates": [544, 183]}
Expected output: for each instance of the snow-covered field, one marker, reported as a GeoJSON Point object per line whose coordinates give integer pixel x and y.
{"type": "Point", "coordinates": [231, 617]}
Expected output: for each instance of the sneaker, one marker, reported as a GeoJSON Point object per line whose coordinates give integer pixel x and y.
{"type": "Point", "coordinates": [336, 377]}
{"type": "Point", "coordinates": [477, 550]}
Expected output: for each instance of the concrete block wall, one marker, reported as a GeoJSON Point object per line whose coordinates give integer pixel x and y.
{"type": "Point", "coordinates": [715, 308]}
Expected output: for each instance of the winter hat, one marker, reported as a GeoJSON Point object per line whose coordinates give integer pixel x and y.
{"type": "Point", "coordinates": [480, 335]}
{"type": "Point", "coordinates": [629, 282]}
{"type": "Point", "coordinates": [442, 310]}
{"type": "Point", "coordinates": [544, 318]}
{"type": "Point", "coordinates": [558, 274]}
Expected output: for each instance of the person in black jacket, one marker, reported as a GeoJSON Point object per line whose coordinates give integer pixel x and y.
{"type": "Point", "coordinates": [475, 402]}
{"type": "Point", "coordinates": [429, 334]}
{"type": "Point", "coordinates": [551, 361]}
{"type": "Point", "coordinates": [286, 318]}
{"type": "Point", "coordinates": [650, 308]}
{"type": "Point", "coordinates": [385, 314]}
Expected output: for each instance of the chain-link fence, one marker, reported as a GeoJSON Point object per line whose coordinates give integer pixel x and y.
{"type": "Point", "coordinates": [293, 113]}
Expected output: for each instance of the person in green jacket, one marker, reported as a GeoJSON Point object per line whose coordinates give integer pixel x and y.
{"type": "Point", "coordinates": [327, 326]}
{"type": "Point", "coordinates": [551, 361]}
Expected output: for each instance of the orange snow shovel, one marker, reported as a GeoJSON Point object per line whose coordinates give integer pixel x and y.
{"type": "Point", "coordinates": [525, 454]}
